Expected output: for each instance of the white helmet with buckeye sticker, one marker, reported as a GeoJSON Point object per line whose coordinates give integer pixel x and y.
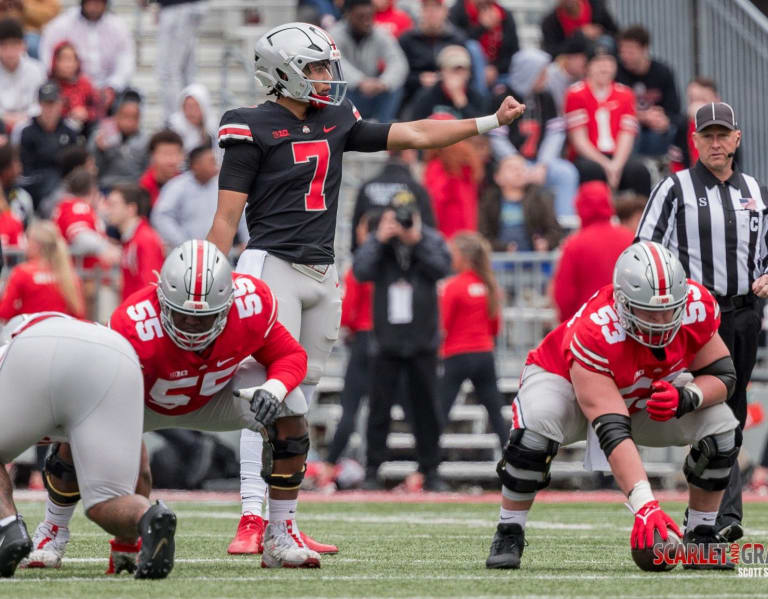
{"type": "Point", "coordinates": [195, 293]}
{"type": "Point", "coordinates": [292, 58]}
{"type": "Point", "coordinates": [650, 289]}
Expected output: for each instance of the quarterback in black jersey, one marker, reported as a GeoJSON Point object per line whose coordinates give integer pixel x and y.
{"type": "Point", "coordinates": [282, 164]}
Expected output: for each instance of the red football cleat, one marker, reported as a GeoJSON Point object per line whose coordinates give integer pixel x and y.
{"type": "Point", "coordinates": [249, 536]}
{"type": "Point", "coordinates": [316, 546]}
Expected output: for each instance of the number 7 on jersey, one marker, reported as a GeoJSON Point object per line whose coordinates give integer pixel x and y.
{"type": "Point", "coordinates": [303, 151]}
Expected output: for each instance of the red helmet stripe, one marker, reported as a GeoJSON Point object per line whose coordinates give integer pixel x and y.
{"type": "Point", "coordinates": [197, 284]}
{"type": "Point", "coordinates": [660, 268]}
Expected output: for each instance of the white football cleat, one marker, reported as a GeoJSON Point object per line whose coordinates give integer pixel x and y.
{"type": "Point", "coordinates": [283, 548]}
{"type": "Point", "coordinates": [48, 545]}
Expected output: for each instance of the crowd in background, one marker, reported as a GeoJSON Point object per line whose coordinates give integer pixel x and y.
{"type": "Point", "coordinates": [80, 174]}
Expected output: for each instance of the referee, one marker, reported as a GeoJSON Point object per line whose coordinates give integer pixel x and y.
{"type": "Point", "coordinates": [711, 217]}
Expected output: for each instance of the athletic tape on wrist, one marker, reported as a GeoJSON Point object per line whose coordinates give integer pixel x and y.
{"type": "Point", "coordinates": [640, 495]}
{"type": "Point", "coordinates": [487, 123]}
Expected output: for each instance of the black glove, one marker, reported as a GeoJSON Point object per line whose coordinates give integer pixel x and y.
{"type": "Point", "coordinates": [264, 405]}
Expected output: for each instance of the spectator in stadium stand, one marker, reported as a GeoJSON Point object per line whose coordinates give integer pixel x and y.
{"type": "Point", "coordinates": [602, 126]}
{"type": "Point", "coordinates": [568, 67]}
{"type": "Point", "coordinates": [166, 158]}
{"type": "Point", "coordinates": [470, 312]}
{"type": "Point", "coordinates": [590, 17]}
{"type": "Point", "coordinates": [103, 42]}
{"type": "Point", "coordinates": [517, 213]}
{"type": "Point", "coordinates": [186, 205]}
{"type": "Point", "coordinates": [372, 61]}
{"type": "Point", "coordinates": [11, 227]}
{"type": "Point", "coordinates": [629, 208]}
{"type": "Point", "coordinates": [452, 177]}
{"type": "Point", "coordinates": [82, 102]}
{"type": "Point", "coordinates": [451, 93]}
{"type": "Point", "coordinates": [18, 198]}
{"type": "Point", "coordinates": [423, 44]}
{"type": "Point", "coordinates": [40, 142]}
{"type": "Point", "coordinates": [356, 323]}
{"type": "Point", "coordinates": [390, 17]}
{"type": "Point", "coordinates": [83, 230]}
{"type": "Point", "coordinates": [118, 144]}
{"type": "Point", "coordinates": [47, 281]}
{"type": "Point", "coordinates": [404, 259]}
{"type": "Point", "coordinates": [35, 15]}
{"type": "Point", "coordinates": [682, 152]}
{"type": "Point", "coordinates": [178, 23]}
{"type": "Point", "coordinates": [20, 76]}
{"type": "Point", "coordinates": [657, 101]}
{"type": "Point", "coordinates": [493, 27]}
{"type": "Point", "coordinates": [194, 120]}
{"type": "Point", "coordinates": [539, 135]}
{"type": "Point", "coordinates": [67, 160]}
{"type": "Point", "coordinates": [394, 179]}
{"type": "Point", "coordinates": [320, 12]}
{"type": "Point", "coordinates": [589, 255]}
{"type": "Point", "coordinates": [127, 206]}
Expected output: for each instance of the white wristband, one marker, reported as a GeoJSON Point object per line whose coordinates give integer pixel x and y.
{"type": "Point", "coordinates": [696, 390]}
{"type": "Point", "coordinates": [640, 495]}
{"type": "Point", "coordinates": [276, 388]}
{"type": "Point", "coordinates": [487, 123]}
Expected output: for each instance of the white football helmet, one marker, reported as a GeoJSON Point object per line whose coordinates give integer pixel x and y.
{"type": "Point", "coordinates": [649, 277]}
{"type": "Point", "coordinates": [282, 55]}
{"type": "Point", "coordinates": [195, 281]}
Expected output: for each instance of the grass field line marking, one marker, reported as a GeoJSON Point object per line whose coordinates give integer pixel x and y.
{"type": "Point", "coordinates": [414, 519]}
{"type": "Point", "coordinates": [319, 577]}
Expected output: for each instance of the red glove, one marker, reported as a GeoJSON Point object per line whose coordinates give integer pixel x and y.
{"type": "Point", "coordinates": [663, 402]}
{"type": "Point", "coordinates": [648, 518]}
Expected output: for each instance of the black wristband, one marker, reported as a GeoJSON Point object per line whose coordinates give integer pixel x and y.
{"type": "Point", "coordinates": [689, 401]}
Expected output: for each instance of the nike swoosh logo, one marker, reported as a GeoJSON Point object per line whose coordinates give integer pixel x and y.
{"type": "Point", "coordinates": [328, 129]}
{"type": "Point", "coordinates": [159, 547]}
{"type": "Point", "coordinates": [222, 362]}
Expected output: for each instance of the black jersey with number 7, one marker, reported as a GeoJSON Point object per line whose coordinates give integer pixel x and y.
{"type": "Point", "coordinates": [291, 171]}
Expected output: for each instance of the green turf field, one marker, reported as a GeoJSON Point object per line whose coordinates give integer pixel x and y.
{"type": "Point", "coordinates": [394, 550]}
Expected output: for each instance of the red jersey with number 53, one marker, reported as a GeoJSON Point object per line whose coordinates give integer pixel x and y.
{"type": "Point", "coordinates": [178, 381]}
{"type": "Point", "coordinates": [596, 341]}
{"type": "Point", "coordinates": [291, 171]}
{"type": "Point", "coordinates": [604, 117]}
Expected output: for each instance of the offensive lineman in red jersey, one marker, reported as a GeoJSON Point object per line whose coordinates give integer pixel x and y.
{"type": "Point", "coordinates": [282, 164]}
{"type": "Point", "coordinates": [191, 331]}
{"type": "Point", "coordinates": [617, 365]}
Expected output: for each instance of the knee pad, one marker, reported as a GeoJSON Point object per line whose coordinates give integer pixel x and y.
{"type": "Point", "coordinates": [524, 466]}
{"type": "Point", "coordinates": [54, 466]}
{"type": "Point", "coordinates": [282, 449]}
{"type": "Point", "coordinates": [708, 465]}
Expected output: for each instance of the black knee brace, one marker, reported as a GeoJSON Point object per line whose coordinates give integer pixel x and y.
{"type": "Point", "coordinates": [282, 449]}
{"type": "Point", "coordinates": [707, 456]}
{"type": "Point", "coordinates": [55, 466]}
{"type": "Point", "coordinates": [519, 456]}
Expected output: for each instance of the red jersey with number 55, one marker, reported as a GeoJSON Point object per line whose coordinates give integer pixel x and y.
{"type": "Point", "coordinates": [596, 341]}
{"type": "Point", "coordinates": [178, 381]}
{"type": "Point", "coordinates": [603, 117]}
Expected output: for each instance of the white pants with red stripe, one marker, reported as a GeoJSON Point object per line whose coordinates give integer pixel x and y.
{"type": "Point", "coordinates": [546, 404]}
{"type": "Point", "coordinates": [80, 382]}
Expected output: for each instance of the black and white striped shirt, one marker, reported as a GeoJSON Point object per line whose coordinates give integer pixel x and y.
{"type": "Point", "coordinates": [717, 230]}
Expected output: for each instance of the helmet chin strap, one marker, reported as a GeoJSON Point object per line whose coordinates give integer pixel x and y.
{"type": "Point", "coordinates": [315, 104]}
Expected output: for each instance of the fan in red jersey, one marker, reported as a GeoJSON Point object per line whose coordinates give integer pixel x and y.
{"type": "Point", "coordinates": [214, 357]}
{"type": "Point", "coordinates": [642, 362]}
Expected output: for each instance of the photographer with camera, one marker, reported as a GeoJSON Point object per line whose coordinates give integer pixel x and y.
{"type": "Point", "coordinates": [404, 259]}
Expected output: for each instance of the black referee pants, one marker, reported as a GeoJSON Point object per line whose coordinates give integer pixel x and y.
{"type": "Point", "coordinates": [480, 368]}
{"type": "Point", "coordinates": [421, 382]}
{"type": "Point", "coordinates": [740, 330]}
{"type": "Point", "coordinates": [356, 385]}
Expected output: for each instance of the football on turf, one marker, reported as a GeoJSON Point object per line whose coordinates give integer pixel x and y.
{"type": "Point", "coordinates": [645, 558]}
